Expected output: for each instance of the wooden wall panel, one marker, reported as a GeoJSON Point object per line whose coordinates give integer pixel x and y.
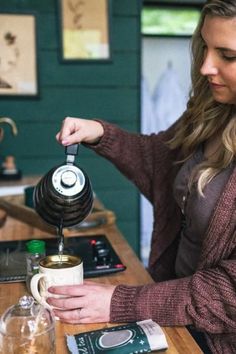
{"type": "Point", "coordinates": [115, 104]}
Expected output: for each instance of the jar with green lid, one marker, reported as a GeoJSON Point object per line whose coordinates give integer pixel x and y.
{"type": "Point", "coordinates": [35, 252]}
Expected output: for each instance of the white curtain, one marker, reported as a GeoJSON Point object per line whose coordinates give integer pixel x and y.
{"type": "Point", "coordinates": [159, 111]}
{"type": "Point", "coordinates": [148, 125]}
{"type": "Point", "coordinates": [169, 99]}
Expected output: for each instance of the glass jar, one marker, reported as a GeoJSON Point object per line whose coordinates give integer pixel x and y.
{"type": "Point", "coordinates": [27, 327]}
{"type": "Point", "coordinates": [35, 252]}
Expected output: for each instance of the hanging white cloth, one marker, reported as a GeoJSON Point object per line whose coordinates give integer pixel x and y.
{"type": "Point", "coordinates": [158, 113]}
{"type": "Point", "coordinates": [169, 99]}
{"type": "Point", "coordinates": [148, 125]}
{"type": "Point", "coordinates": [148, 120]}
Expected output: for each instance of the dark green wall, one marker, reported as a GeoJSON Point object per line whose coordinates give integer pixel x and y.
{"type": "Point", "coordinates": [109, 90]}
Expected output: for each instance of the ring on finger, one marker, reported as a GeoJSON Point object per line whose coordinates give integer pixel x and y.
{"type": "Point", "coordinates": [79, 312]}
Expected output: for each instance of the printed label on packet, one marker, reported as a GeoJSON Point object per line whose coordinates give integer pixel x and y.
{"type": "Point", "coordinates": [141, 337]}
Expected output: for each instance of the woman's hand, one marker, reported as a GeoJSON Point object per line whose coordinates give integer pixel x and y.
{"type": "Point", "coordinates": [86, 303]}
{"type": "Point", "coordinates": [77, 130]}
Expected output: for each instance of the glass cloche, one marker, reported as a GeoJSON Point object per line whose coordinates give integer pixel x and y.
{"type": "Point", "coordinates": [28, 328]}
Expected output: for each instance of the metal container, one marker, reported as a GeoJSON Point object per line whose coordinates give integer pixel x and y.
{"type": "Point", "coordinates": [64, 196]}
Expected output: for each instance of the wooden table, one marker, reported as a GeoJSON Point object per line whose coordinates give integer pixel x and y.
{"type": "Point", "coordinates": [179, 340]}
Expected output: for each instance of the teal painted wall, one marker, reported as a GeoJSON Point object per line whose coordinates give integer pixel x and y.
{"type": "Point", "coordinates": [108, 90]}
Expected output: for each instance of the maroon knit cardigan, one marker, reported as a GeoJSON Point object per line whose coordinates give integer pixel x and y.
{"type": "Point", "coordinates": [206, 300]}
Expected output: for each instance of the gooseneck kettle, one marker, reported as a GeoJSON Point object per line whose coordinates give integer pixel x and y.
{"type": "Point", "coordinates": [64, 197]}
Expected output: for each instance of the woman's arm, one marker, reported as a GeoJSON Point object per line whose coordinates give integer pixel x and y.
{"type": "Point", "coordinates": [207, 300]}
{"type": "Point", "coordinates": [135, 155]}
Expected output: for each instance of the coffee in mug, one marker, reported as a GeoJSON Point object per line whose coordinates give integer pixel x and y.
{"type": "Point", "coordinates": [55, 270]}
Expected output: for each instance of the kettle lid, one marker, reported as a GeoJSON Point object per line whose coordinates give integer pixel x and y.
{"type": "Point", "coordinates": [68, 180]}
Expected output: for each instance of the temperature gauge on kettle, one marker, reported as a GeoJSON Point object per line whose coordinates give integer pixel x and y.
{"type": "Point", "coordinates": [68, 180]}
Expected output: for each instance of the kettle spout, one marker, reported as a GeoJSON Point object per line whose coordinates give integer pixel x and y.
{"type": "Point", "coordinates": [11, 123]}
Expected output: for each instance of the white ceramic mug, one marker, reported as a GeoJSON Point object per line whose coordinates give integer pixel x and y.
{"type": "Point", "coordinates": [55, 270]}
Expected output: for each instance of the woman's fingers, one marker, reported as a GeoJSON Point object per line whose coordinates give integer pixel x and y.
{"type": "Point", "coordinates": [83, 315]}
{"type": "Point", "coordinates": [71, 131]}
{"type": "Point", "coordinates": [76, 130]}
{"type": "Point", "coordinates": [73, 290]}
{"type": "Point", "coordinates": [78, 290]}
{"type": "Point", "coordinates": [69, 127]}
{"type": "Point", "coordinates": [85, 303]}
{"type": "Point", "coordinates": [68, 303]}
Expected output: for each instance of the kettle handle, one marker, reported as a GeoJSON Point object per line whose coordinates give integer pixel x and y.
{"type": "Point", "coordinates": [72, 149]}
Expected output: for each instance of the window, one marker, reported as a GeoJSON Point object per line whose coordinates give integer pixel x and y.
{"type": "Point", "coordinates": [169, 20]}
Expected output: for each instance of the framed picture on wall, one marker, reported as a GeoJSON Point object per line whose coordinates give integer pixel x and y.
{"type": "Point", "coordinates": [85, 29]}
{"type": "Point", "coordinates": [18, 68]}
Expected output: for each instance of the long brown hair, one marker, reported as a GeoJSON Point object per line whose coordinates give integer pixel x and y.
{"type": "Point", "coordinates": [204, 117]}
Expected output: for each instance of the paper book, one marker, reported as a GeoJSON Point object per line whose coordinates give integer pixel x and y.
{"type": "Point", "coordinates": [134, 338]}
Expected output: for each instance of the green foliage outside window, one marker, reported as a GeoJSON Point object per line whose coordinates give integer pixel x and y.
{"type": "Point", "coordinates": [169, 21]}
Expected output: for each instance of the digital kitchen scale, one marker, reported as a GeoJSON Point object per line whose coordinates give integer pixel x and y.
{"type": "Point", "coordinates": [98, 255]}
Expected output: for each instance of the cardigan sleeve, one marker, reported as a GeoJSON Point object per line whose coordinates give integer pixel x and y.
{"type": "Point", "coordinates": [135, 155]}
{"type": "Point", "coordinates": [206, 300]}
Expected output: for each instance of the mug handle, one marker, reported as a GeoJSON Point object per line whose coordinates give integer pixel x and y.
{"type": "Point", "coordinates": [34, 284]}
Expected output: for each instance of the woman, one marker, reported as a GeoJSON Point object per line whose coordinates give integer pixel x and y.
{"type": "Point", "coordinates": [189, 175]}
